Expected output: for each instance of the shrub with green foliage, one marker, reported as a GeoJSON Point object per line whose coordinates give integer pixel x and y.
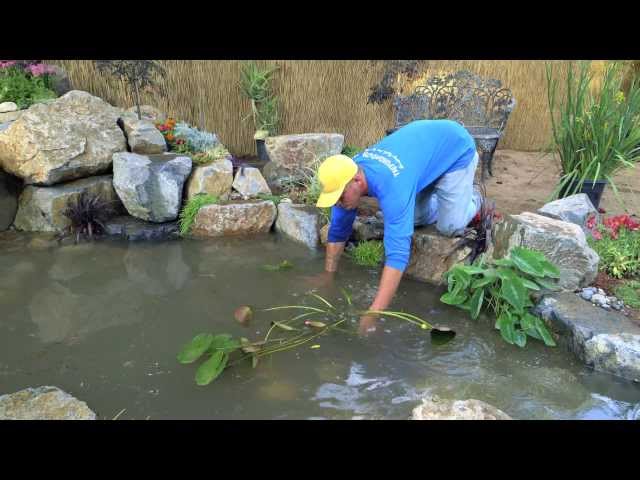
{"type": "Point", "coordinates": [190, 210]}
{"type": "Point", "coordinates": [368, 253]}
{"type": "Point", "coordinates": [22, 88]}
{"type": "Point", "coordinates": [619, 254]}
{"type": "Point", "coordinates": [629, 293]}
{"type": "Point", "coordinates": [504, 287]}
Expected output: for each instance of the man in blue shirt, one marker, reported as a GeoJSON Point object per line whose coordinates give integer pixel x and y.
{"type": "Point", "coordinates": [421, 174]}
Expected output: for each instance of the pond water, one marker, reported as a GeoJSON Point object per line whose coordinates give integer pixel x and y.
{"type": "Point", "coordinates": [104, 322]}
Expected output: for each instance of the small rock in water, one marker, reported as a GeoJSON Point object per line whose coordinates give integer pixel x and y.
{"type": "Point", "coordinates": [586, 294]}
{"type": "Point", "coordinates": [606, 306]}
{"type": "Point", "coordinates": [612, 299]}
{"type": "Point", "coordinates": [599, 299]}
{"type": "Point", "coordinates": [601, 292]}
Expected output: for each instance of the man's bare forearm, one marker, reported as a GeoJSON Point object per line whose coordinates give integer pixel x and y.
{"type": "Point", "coordinates": [388, 285]}
{"type": "Point", "coordinates": [334, 251]}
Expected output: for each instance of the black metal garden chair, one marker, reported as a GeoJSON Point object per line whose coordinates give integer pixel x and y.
{"type": "Point", "coordinates": [481, 105]}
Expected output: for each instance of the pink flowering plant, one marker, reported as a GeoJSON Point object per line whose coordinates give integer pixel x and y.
{"type": "Point", "coordinates": [617, 241]}
{"type": "Point", "coordinates": [26, 82]}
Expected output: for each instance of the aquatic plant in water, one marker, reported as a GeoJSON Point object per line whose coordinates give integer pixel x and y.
{"type": "Point", "coordinates": [283, 265]}
{"type": "Point", "coordinates": [190, 210]}
{"type": "Point", "coordinates": [505, 288]}
{"type": "Point", "coordinates": [309, 323]}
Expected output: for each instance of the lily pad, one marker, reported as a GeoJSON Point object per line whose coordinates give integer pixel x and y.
{"type": "Point", "coordinates": [441, 335]}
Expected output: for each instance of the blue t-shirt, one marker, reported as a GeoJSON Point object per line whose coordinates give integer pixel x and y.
{"type": "Point", "coordinates": [397, 168]}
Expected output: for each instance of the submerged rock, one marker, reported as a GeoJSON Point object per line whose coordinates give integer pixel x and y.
{"type": "Point", "coordinates": [134, 229]}
{"type": "Point", "coordinates": [43, 403]}
{"type": "Point", "coordinates": [434, 408]}
{"type": "Point", "coordinates": [563, 243]}
{"type": "Point", "coordinates": [71, 137]}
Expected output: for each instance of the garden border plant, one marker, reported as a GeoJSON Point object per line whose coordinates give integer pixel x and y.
{"type": "Point", "coordinates": [504, 287]}
{"type": "Point", "coordinates": [26, 82]}
{"type": "Point", "coordinates": [595, 134]}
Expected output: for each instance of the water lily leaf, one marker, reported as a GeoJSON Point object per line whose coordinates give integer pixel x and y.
{"type": "Point", "coordinates": [243, 314]}
{"type": "Point", "coordinates": [315, 324]}
{"type": "Point", "coordinates": [225, 343]}
{"type": "Point", "coordinates": [212, 368]}
{"type": "Point", "coordinates": [441, 335]}
{"type": "Point", "coordinates": [476, 303]}
{"type": "Point", "coordinates": [195, 348]}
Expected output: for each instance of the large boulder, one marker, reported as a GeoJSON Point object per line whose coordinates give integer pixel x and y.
{"type": "Point", "coordinates": [432, 254]}
{"type": "Point", "coordinates": [149, 113]}
{"type": "Point", "coordinates": [239, 218]}
{"type": "Point", "coordinates": [605, 340]}
{"type": "Point", "coordinates": [298, 222]}
{"type": "Point", "coordinates": [8, 117]}
{"type": "Point", "coordinates": [40, 209]}
{"type": "Point", "coordinates": [293, 155]}
{"type": "Point", "coordinates": [368, 228]}
{"type": "Point", "coordinates": [302, 150]}
{"type": "Point", "coordinates": [249, 182]}
{"type": "Point", "coordinates": [434, 408]}
{"type": "Point", "coordinates": [214, 179]}
{"type": "Point", "coordinates": [150, 186]}
{"type": "Point", "coordinates": [43, 403]}
{"type": "Point", "coordinates": [71, 137]}
{"type": "Point", "coordinates": [574, 209]}
{"type": "Point", "coordinates": [143, 137]}
{"type": "Point", "coordinates": [563, 243]}
{"type": "Point", "coordinates": [9, 190]}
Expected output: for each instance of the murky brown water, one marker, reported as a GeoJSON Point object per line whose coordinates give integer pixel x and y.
{"type": "Point", "coordinates": [104, 322]}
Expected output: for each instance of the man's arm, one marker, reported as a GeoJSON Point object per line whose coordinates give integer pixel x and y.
{"type": "Point", "coordinates": [387, 289]}
{"type": "Point", "coordinates": [334, 251]}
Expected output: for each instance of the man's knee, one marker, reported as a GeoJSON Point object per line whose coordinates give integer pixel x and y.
{"type": "Point", "coordinates": [450, 230]}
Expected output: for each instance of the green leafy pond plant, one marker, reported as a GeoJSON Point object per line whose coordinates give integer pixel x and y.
{"type": "Point", "coordinates": [505, 288]}
{"type": "Point", "coordinates": [222, 351]}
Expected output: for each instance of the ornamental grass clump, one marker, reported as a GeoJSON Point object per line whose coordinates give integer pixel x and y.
{"type": "Point", "coordinates": [596, 134]}
{"type": "Point", "coordinates": [190, 210]}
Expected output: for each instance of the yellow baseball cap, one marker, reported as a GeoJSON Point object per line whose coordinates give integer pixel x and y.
{"type": "Point", "coordinates": [334, 174]}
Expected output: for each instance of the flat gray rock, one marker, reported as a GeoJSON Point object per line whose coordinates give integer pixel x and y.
{"type": "Point", "coordinates": [606, 340]}
{"type": "Point", "coordinates": [43, 403]}
{"type": "Point", "coordinates": [134, 229]}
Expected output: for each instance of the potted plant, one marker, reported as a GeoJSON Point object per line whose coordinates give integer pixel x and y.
{"type": "Point", "coordinates": [596, 130]}
{"type": "Point", "coordinates": [255, 83]}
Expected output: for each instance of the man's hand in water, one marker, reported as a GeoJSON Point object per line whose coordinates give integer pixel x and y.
{"type": "Point", "coordinates": [367, 325]}
{"type": "Point", "coordinates": [320, 280]}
